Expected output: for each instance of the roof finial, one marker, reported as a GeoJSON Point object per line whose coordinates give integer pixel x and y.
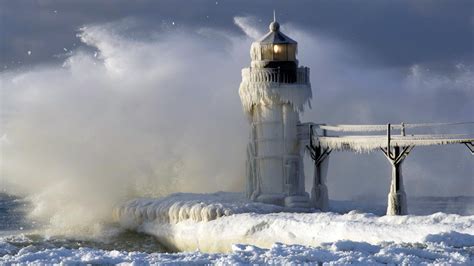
{"type": "Point", "coordinates": [274, 26]}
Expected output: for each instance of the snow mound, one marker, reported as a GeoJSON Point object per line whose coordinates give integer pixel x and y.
{"type": "Point", "coordinates": [340, 252]}
{"type": "Point", "coordinates": [452, 238]}
{"type": "Point", "coordinates": [182, 228]}
{"type": "Point", "coordinates": [189, 206]}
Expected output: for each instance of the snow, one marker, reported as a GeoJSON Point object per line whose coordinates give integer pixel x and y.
{"type": "Point", "coordinates": [309, 229]}
{"type": "Point", "coordinates": [183, 206]}
{"type": "Point", "coordinates": [256, 237]}
{"type": "Point", "coordinates": [336, 253]}
{"type": "Point", "coordinates": [452, 238]}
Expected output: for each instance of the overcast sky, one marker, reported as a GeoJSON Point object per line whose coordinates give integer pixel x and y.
{"type": "Point", "coordinates": [394, 33]}
{"type": "Point", "coordinates": [86, 98]}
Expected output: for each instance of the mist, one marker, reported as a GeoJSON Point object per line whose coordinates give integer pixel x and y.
{"type": "Point", "coordinates": [145, 112]}
{"type": "Point", "coordinates": [130, 118]}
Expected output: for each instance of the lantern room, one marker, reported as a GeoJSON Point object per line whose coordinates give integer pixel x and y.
{"type": "Point", "coordinates": [275, 53]}
{"type": "Point", "coordinates": [275, 49]}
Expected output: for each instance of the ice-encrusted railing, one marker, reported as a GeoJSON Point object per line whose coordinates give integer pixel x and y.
{"type": "Point", "coordinates": [275, 75]}
{"type": "Point", "coordinates": [396, 147]}
{"type": "Point", "coordinates": [270, 85]}
{"type": "Point", "coordinates": [368, 143]}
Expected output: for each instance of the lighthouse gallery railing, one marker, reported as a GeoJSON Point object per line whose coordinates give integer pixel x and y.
{"type": "Point", "coordinates": [275, 75]}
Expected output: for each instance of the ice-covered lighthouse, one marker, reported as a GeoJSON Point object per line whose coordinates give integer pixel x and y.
{"type": "Point", "coordinates": [274, 90]}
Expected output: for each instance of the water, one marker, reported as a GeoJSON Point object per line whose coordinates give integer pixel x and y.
{"type": "Point", "coordinates": [19, 231]}
{"type": "Point", "coordinates": [462, 205]}
{"type": "Point", "coordinates": [12, 214]}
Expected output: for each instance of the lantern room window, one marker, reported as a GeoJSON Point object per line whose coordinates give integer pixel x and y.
{"type": "Point", "coordinates": [279, 52]}
{"type": "Point", "coordinates": [276, 48]}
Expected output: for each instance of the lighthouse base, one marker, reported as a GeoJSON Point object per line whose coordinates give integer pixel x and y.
{"type": "Point", "coordinates": [296, 201]}
{"type": "Point", "coordinates": [300, 201]}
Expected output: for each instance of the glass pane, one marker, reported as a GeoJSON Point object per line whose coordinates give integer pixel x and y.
{"type": "Point", "coordinates": [267, 52]}
{"type": "Point", "coordinates": [279, 52]}
{"type": "Point", "coordinates": [291, 52]}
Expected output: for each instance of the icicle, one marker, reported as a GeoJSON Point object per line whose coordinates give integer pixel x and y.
{"type": "Point", "coordinates": [363, 144]}
{"type": "Point", "coordinates": [252, 93]}
{"type": "Point", "coordinates": [375, 128]}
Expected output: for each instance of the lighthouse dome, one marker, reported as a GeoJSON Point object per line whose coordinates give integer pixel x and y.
{"type": "Point", "coordinates": [274, 26]}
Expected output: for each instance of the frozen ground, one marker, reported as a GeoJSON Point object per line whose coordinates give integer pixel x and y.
{"type": "Point", "coordinates": [181, 222]}
{"type": "Point", "coordinates": [173, 221]}
{"type": "Point", "coordinates": [447, 248]}
{"type": "Point", "coordinates": [333, 238]}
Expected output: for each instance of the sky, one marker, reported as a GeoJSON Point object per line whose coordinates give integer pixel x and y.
{"type": "Point", "coordinates": [108, 95]}
{"type": "Point", "coordinates": [392, 33]}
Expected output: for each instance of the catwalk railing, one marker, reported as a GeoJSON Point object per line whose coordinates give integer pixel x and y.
{"type": "Point", "coordinates": [395, 148]}
{"type": "Point", "coordinates": [368, 143]}
{"type": "Point", "coordinates": [276, 75]}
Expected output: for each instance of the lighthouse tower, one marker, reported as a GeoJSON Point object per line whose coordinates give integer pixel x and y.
{"type": "Point", "coordinates": [274, 90]}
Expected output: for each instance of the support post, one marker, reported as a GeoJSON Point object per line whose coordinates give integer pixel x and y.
{"type": "Point", "coordinates": [319, 191]}
{"type": "Point", "coordinates": [470, 146]}
{"type": "Point", "coordinates": [397, 203]}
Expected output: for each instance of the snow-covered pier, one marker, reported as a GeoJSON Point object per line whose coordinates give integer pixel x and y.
{"type": "Point", "coordinates": [396, 148]}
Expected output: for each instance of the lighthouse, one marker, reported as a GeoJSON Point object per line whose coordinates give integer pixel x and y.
{"type": "Point", "coordinates": [274, 91]}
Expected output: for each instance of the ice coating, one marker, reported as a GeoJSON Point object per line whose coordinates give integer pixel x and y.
{"type": "Point", "coordinates": [363, 144]}
{"type": "Point", "coordinates": [251, 93]}
{"type": "Point", "coordinates": [375, 128]}
{"type": "Point", "coordinates": [254, 224]}
{"type": "Point", "coordinates": [181, 207]}
{"type": "Point", "coordinates": [273, 92]}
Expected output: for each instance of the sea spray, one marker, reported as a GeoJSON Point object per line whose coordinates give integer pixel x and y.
{"type": "Point", "coordinates": [141, 119]}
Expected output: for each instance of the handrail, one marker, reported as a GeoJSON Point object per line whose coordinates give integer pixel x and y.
{"type": "Point", "coordinates": [275, 75]}
{"type": "Point", "coordinates": [379, 128]}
